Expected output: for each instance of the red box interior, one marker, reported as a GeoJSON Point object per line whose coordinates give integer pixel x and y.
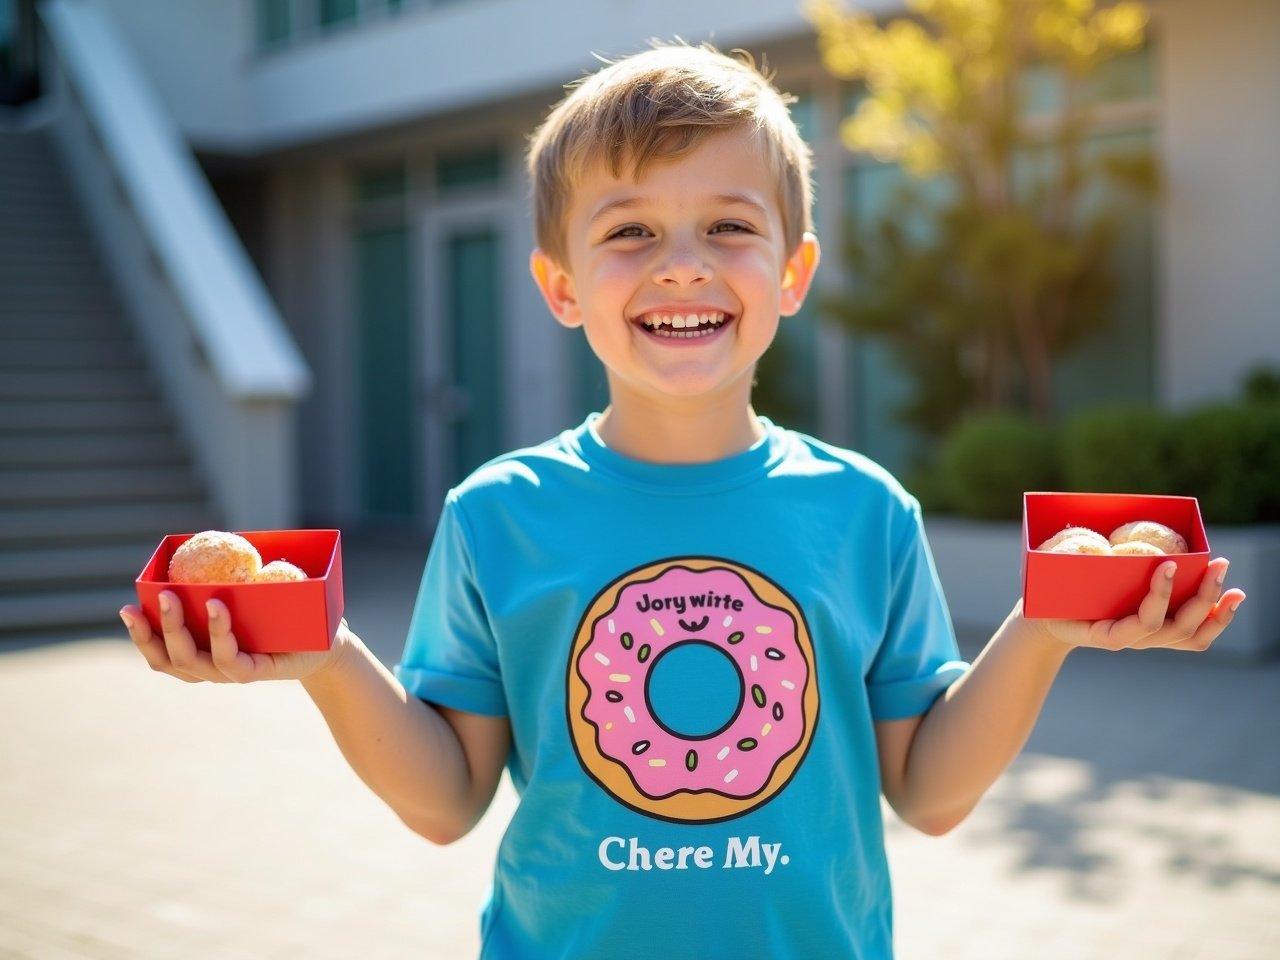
{"type": "Point", "coordinates": [265, 617]}
{"type": "Point", "coordinates": [1085, 587]}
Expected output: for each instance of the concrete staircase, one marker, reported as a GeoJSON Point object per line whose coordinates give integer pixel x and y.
{"type": "Point", "coordinates": [92, 471]}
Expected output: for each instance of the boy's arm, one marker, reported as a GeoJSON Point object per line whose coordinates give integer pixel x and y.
{"type": "Point", "coordinates": [935, 768]}
{"type": "Point", "coordinates": [437, 769]}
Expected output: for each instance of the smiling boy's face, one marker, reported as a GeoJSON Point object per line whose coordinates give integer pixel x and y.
{"type": "Point", "coordinates": [679, 278]}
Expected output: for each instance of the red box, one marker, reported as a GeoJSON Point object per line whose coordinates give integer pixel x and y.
{"type": "Point", "coordinates": [1085, 587]}
{"type": "Point", "coordinates": [265, 617]}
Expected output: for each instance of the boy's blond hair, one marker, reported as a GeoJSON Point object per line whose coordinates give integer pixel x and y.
{"type": "Point", "coordinates": [660, 105]}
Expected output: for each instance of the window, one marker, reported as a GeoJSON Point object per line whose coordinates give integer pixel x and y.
{"type": "Point", "coordinates": [470, 168]}
{"type": "Point", "coordinates": [334, 12]}
{"type": "Point", "coordinates": [281, 22]}
{"type": "Point", "coordinates": [274, 22]}
{"type": "Point", "coordinates": [389, 182]}
{"type": "Point", "coordinates": [384, 337]}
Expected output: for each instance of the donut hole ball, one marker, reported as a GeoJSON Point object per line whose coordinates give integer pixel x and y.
{"type": "Point", "coordinates": [1093, 544]}
{"type": "Point", "coordinates": [1078, 539]}
{"type": "Point", "coordinates": [215, 556]}
{"type": "Point", "coordinates": [1148, 531]}
{"type": "Point", "coordinates": [279, 571]}
{"type": "Point", "coordinates": [1136, 548]}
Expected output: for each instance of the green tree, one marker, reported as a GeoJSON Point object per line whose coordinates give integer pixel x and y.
{"type": "Point", "coordinates": [988, 264]}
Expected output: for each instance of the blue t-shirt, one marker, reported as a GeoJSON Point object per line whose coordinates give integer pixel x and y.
{"type": "Point", "coordinates": [691, 658]}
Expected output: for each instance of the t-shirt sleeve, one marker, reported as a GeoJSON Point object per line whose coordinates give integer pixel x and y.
{"type": "Point", "coordinates": [449, 656]}
{"type": "Point", "coordinates": [918, 657]}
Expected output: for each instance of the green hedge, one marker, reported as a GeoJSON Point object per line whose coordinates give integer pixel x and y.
{"type": "Point", "coordinates": [1118, 449]}
{"type": "Point", "coordinates": [1229, 458]}
{"type": "Point", "coordinates": [1225, 455]}
{"type": "Point", "coordinates": [989, 461]}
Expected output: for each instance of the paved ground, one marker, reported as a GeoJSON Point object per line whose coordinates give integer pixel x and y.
{"type": "Point", "coordinates": [142, 819]}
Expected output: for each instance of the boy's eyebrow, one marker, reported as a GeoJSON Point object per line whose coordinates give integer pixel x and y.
{"type": "Point", "coordinates": [742, 199]}
{"type": "Point", "coordinates": [722, 199]}
{"type": "Point", "coordinates": [624, 203]}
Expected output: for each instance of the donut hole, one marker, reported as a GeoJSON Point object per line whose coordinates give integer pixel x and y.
{"type": "Point", "coordinates": [694, 690]}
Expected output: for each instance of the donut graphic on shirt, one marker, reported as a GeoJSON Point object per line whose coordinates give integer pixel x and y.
{"type": "Point", "coordinates": [692, 689]}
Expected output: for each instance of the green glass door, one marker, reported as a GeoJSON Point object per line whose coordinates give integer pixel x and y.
{"type": "Point", "coordinates": [473, 315]}
{"type": "Point", "coordinates": [384, 337]}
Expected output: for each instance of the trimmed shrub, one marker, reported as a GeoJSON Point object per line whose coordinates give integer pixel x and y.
{"type": "Point", "coordinates": [1228, 456]}
{"type": "Point", "coordinates": [1125, 449]}
{"type": "Point", "coordinates": [1262, 385]}
{"type": "Point", "coordinates": [989, 461]}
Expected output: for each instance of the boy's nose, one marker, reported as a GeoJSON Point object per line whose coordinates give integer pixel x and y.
{"type": "Point", "coordinates": [682, 267]}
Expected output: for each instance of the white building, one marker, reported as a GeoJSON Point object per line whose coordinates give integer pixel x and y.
{"type": "Point", "coordinates": [368, 153]}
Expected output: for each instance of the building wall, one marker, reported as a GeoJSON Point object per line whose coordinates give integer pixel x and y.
{"type": "Point", "coordinates": [197, 52]}
{"type": "Point", "coordinates": [431, 78]}
{"type": "Point", "coordinates": [1220, 144]}
{"type": "Point", "coordinates": [231, 96]}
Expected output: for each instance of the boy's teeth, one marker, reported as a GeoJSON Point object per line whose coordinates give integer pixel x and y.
{"type": "Point", "coordinates": [683, 321]}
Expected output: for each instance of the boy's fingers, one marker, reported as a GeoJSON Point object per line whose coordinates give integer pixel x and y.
{"type": "Point", "coordinates": [224, 650]}
{"type": "Point", "coordinates": [135, 621]}
{"type": "Point", "coordinates": [149, 643]}
{"type": "Point", "coordinates": [1190, 626]}
{"type": "Point", "coordinates": [187, 659]}
{"type": "Point", "coordinates": [1199, 635]}
{"type": "Point", "coordinates": [1155, 605]}
{"type": "Point", "coordinates": [1224, 611]}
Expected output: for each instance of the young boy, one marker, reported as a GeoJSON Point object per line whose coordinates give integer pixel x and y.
{"type": "Point", "coordinates": [703, 646]}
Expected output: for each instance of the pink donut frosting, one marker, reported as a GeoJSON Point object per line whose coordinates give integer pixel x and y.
{"type": "Point", "coordinates": [761, 639]}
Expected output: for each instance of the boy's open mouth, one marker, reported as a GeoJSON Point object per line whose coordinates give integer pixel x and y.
{"type": "Point", "coordinates": [684, 326]}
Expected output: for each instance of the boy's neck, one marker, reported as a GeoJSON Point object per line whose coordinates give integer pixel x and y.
{"type": "Point", "coordinates": [679, 434]}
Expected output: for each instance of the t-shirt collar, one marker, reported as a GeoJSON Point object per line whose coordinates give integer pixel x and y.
{"type": "Point", "coordinates": [683, 478]}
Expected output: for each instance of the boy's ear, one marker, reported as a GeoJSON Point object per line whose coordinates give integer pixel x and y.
{"type": "Point", "coordinates": [798, 273]}
{"type": "Point", "coordinates": [557, 288]}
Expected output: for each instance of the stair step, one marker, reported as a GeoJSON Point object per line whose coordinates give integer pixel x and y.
{"type": "Point", "coordinates": [76, 270]}
{"type": "Point", "coordinates": [99, 322]}
{"type": "Point", "coordinates": [72, 484]}
{"type": "Point", "coordinates": [92, 471]}
{"type": "Point", "coordinates": [75, 385]}
{"type": "Point", "coordinates": [59, 354]}
{"type": "Point", "coordinates": [34, 277]}
{"type": "Point", "coordinates": [77, 415]}
{"type": "Point", "coordinates": [36, 197]}
{"type": "Point", "coordinates": [106, 565]}
{"type": "Point", "coordinates": [69, 290]}
{"type": "Point", "coordinates": [65, 608]}
{"type": "Point", "coordinates": [50, 526]}
{"type": "Point", "coordinates": [24, 247]}
{"type": "Point", "coordinates": [64, 314]}
{"type": "Point", "coordinates": [99, 448]}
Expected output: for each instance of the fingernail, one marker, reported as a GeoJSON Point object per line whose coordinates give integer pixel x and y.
{"type": "Point", "coordinates": [1169, 571]}
{"type": "Point", "coordinates": [1236, 606]}
{"type": "Point", "coordinates": [210, 609]}
{"type": "Point", "coordinates": [165, 605]}
{"type": "Point", "coordinates": [1222, 576]}
{"type": "Point", "coordinates": [128, 620]}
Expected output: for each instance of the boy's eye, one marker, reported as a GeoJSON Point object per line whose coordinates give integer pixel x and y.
{"type": "Point", "coordinates": [628, 232]}
{"type": "Point", "coordinates": [730, 226]}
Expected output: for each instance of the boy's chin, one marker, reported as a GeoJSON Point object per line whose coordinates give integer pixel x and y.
{"type": "Point", "coordinates": [694, 387]}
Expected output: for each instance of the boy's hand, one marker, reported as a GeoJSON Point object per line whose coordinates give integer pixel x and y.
{"type": "Point", "coordinates": [1193, 626]}
{"type": "Point", "coordinates": [174, 651]}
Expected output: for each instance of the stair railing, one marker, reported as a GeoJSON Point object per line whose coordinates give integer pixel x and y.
{"type": "Point", "coordinates": [225, 361]}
